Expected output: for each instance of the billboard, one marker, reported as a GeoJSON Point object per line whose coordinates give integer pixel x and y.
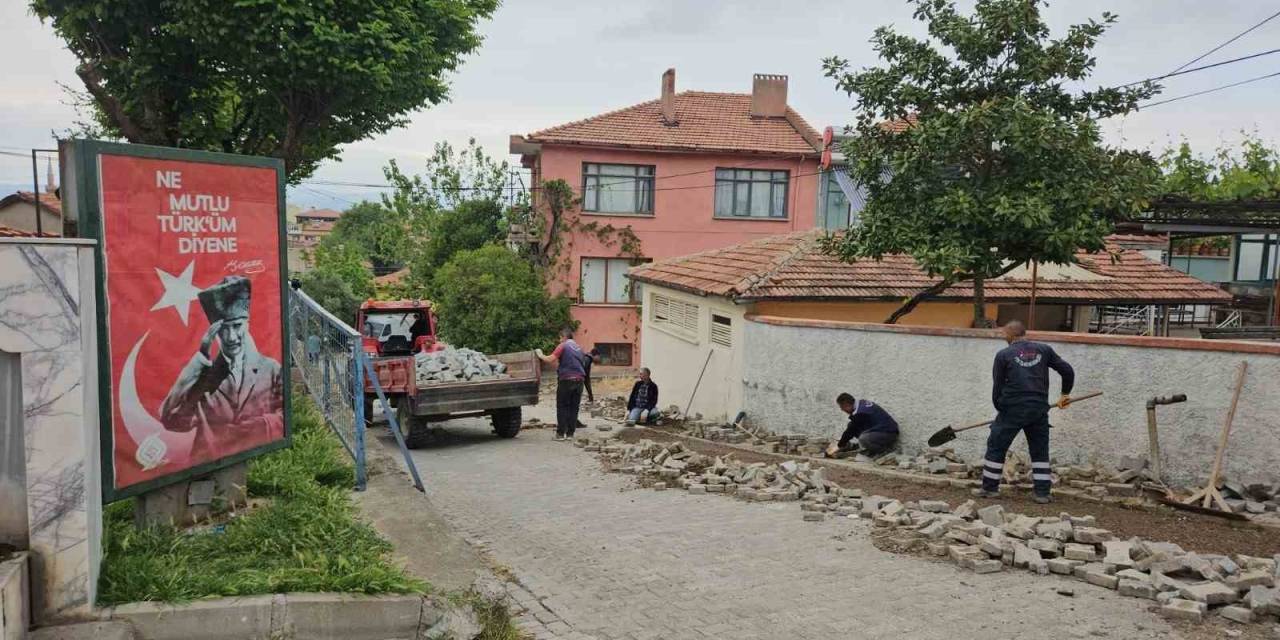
{"type": "Point", "coordinates": [193, 358]}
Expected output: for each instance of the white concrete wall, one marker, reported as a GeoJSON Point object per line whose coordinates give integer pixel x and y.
{"type": "Point", "coordinates": [677, 360]}
{"type": "Point", "coordinates": [930, 378]}
{"type": "Point", "coordinates": [22, 215]}
{"type": "Point", "coordinates": [47, 318]}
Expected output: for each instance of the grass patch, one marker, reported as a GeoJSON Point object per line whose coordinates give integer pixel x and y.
{"type": "Point", "coordinates": [307, 539]}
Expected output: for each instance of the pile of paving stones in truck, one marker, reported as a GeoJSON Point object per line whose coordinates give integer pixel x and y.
{"type": "Point", "coordinates": [1184, 584]}
{"type": "Point", "coordinates": [457, 365]}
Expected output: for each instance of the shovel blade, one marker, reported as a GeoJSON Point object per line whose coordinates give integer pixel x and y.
{"type": "Point", "coordinates": [945, 435]}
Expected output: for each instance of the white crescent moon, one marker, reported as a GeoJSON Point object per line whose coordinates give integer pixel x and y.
{"type": "Point", "coordinates": [140, 424]}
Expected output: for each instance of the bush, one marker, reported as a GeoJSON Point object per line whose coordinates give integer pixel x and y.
{"type": "Point", "coordinates": [491, 300]}
{"type": "Point", "coordinates": [306, 539]}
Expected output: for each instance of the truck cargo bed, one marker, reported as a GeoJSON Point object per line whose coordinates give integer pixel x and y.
{"type": "Point", "coordinates": [521, 389]}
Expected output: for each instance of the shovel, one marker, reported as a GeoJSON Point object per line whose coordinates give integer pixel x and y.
{"type": "Point", "coordinates": [947, 433]}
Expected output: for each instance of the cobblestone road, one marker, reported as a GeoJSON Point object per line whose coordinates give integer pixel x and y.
{"type": "Point", "coordinates": [597, 558]}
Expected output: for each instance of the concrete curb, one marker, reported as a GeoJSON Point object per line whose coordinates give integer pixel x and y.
{"type": "Point", "coordinates": [318, 616]}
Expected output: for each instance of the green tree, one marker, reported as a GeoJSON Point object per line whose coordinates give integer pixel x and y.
{"type": "Point", "coordinates": [493, 300]}
{"type": "Point", "coordinates": [1248, 171]}
{"type": "Point", "coordinates": [469, 225]}
{"type": "Point", "coordinates": [997, 162]}
{"type": "Point", "coordinates": [381, 235]}
{"type": "Point", "coordinates": [340, 281]}
{"type": "Point", "coordinates": [293, 79]}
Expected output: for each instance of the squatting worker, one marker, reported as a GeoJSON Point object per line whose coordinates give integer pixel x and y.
{"type": "Point", "coordinates": [1021, 395]}
{"type": "Point", "coordinates": [875, 429]}
{"type": "Point", "coordinates": [571, 371]}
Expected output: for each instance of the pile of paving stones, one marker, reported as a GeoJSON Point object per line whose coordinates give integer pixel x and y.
{"type": "Point", "coordinates": [675, 466]}
{"type": "Point", "coordinates": [1186, 585]}
{"type": "Point", "coordinates": [454, 365]}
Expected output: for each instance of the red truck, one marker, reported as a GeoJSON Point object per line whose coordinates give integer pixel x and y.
{"type": "Point", "coordinates": [393, 331]}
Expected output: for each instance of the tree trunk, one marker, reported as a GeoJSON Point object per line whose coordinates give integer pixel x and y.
{"type": "Point", "coordinates": [980, 304]}
{"type": "Point", "coordinates": [914, 301]}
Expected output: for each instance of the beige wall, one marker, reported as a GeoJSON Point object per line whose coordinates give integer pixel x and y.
{"type": "Point", "coordinates": [22, 215]}
{"type": "Point", "coordinates": [676, 360]}
{"type": "Point", "coordinates": [928, 314]}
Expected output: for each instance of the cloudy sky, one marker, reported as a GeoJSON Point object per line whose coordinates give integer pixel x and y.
{"type": "Point", "coordinates": [545, 62]}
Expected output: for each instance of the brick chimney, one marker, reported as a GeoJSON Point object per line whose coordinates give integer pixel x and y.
{"type": "Point", "coordinates": [769, 96]}
{"type": "Point", "coordinates": [669, 98]}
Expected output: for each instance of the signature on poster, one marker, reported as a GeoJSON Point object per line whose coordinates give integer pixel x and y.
{"type": "Point", "coordinates": [245, 266]}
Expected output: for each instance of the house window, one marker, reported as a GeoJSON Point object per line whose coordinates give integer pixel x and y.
{"type": "Point", "coordinates": [617, 188]}
{"type": "Point", "coordinates": [604, 281]}
{"type": "Point", "coordinates": [675, 316]}
{"type": "Point", "coordinates": [750, 193]}
{"type": "Point", "coordinates": [1256, 257]}
{"type": "Point", "coordinates": [613, 354]}
{"type": "Point", "coordinates": [721, 330]}
{"type": "Point", "coordinates": [836, 210]}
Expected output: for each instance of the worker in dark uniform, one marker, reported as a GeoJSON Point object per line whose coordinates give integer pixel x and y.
{"type": "Point", "coordinates": [1020, 393]}
{"type": "Point", "coordinates": [875, 429]}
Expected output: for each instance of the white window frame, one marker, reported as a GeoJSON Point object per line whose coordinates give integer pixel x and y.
{"type": "Point", "coordinates": [633, 287]}
{"type": "Point", "coordinates": [675, 317]}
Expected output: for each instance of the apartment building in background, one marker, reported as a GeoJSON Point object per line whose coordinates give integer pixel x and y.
{"type": "Point", "coordinates": [688, 172]}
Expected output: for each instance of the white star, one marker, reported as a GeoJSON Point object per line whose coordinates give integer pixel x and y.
{"type": "Point", "coordinates": [178, 291]}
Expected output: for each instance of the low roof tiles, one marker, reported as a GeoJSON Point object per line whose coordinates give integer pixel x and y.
{"type": "Point", "coordinates": [793, 267]}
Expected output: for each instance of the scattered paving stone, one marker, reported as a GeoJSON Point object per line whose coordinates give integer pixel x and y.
{"type": "Point", "coordinates": [1066, 591]}
{"type": "Point", "coordinates": [1250, 579]}
{"type": "Point", "coordinates": [814, 516]}
{"type": "Point", "coordinates": [1101, 579]}
{"type": "Point", "coordinates": [1210, 593]}
{"type": "Point", "coordinates": [987, 566]}
{"type": "Point", "coordinates": [1264, 601]}
{"type": "Point", "coordinates": [934, 506]}
{"type": "Point", "coordinates": [659, 486]}
{"type": "Point", "coordinates": [992, 515]}
{"type": "Point", "coordinates": [966, 510]}
{"type": "Point", "coordinates": [1090, 535]}
{"type": "Point", "coordinates": [1062, 566]}
{"type": "Point", "coordinates": [1059, 531]}
{"type": "Point", "coordinates": [1084, 552]}
{"type": "Point", "coordinates": [1184, 610]}
{"type": "Point", "coordinates": [1138, 589]}
{"type": "Point", "coordinates": [697, 488]}
{"type": "Point", "coordinates": [1237, 614]}
{"type": "Point", "coordinates": [1118, 553]}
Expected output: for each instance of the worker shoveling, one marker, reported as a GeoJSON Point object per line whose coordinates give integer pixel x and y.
{"type": "Point", "coordinates": [949, 433]}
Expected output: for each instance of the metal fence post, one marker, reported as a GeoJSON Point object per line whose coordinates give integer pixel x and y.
{"type": "Point", "coordinates": [357, 407]}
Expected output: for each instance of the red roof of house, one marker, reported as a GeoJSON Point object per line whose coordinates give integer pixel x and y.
{"type": "Point", "coordinates": [10, 232]}
{"type": "Point", "coordinates": [706, 121]}
{"type": "Point", "coordinates": [48, 201]}
{"type": "Point", "coordinates": [793, 267]}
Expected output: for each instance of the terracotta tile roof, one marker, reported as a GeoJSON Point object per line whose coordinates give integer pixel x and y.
{"type": "Point", "coordinates": [48, 201]}
{"type": "Point", "coordinates": [10, 232]}
{"type": "Point", "coordinates": [706, 122]}
{"type": "Point", "coordinates": [793, 267]}
{"type": "Point", "coordinates": [1139, 240]}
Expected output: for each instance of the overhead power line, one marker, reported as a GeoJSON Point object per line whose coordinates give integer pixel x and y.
{"type": "Point", "coordinates": [1200, 93]}
{"type": "Point", "coordinates": [1233, 39]}
{"type": "Point", "coordinates": [1202, 68]}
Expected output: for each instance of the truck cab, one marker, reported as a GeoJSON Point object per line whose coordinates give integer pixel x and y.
{"type": "Point", "coordinates": [397, 327]}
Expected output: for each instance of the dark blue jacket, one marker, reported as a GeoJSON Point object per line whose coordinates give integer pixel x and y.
{"type": "Point", "coordinates": [1021, 377]}
{"type": "Point", "coordinates": [867, 417]}
{"type": "Point", "coordinates": [650, 402]}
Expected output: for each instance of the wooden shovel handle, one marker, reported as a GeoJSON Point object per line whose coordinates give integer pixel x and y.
{"type": "Point", "coordinates": [983, 424]}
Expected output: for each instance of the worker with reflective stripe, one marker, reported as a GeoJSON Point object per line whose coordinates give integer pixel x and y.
{"type": "Point", "coordinates": [1020, 393]}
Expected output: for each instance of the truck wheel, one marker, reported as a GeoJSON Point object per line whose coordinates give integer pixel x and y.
{"type": "Point", "coordinates": [506, 422]}
{"type": "Point", "coordinates": [415, 430]}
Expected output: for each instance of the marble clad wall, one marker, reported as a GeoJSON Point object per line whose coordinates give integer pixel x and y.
{"type": "Point", "coordinates": [47, 310]}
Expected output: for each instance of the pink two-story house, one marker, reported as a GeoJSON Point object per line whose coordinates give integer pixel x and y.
{"type": "Point", "coordinates": [688, 172]}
